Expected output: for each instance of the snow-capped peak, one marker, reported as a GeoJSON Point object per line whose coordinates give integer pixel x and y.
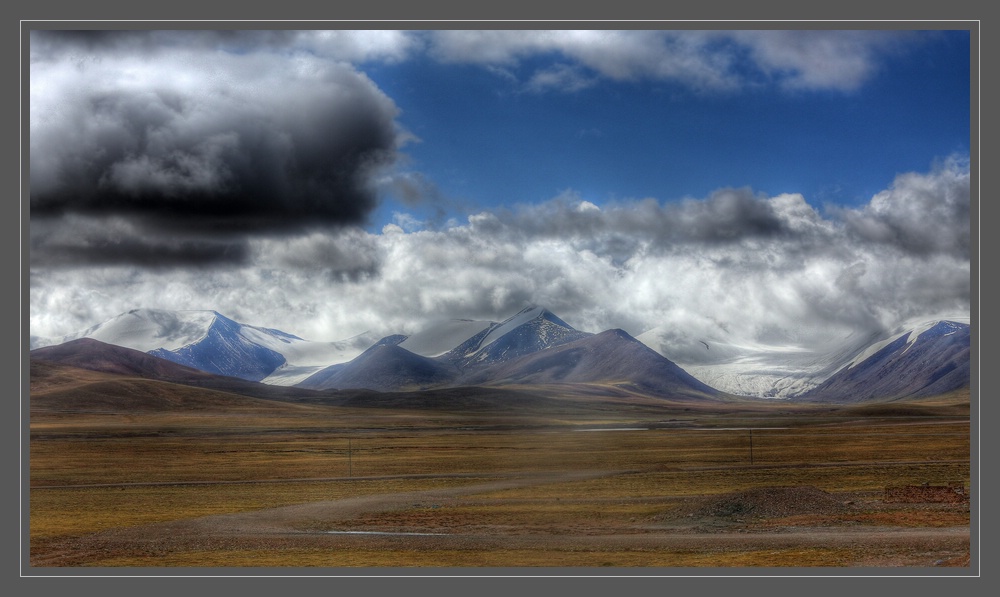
{"type": "Point", "coordinates": [149, 329]}
{"type": "Point", "coordinates": [913, 328]}
{"type": "Point", "coordinates": [748, 368]}
{"type": "Point", "coordinates": [522, 317]}
{"type": "Point", "coordinates": [209, 340]}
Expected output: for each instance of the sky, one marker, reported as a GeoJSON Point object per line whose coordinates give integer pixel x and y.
{"type": "Point", "coordinates": [774, 186]}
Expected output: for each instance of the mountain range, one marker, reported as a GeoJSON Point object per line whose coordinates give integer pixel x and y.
{"type": "Point", "coordinates": [532, 347]}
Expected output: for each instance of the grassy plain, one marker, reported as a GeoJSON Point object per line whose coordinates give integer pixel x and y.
{"type": "Point", "coordinates": [564, 482]}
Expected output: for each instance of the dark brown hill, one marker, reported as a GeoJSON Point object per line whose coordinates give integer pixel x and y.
{"type": "Point", "coordinates": [87, 353]}
{"type": "Point", "coordinates": [56, 387]}
{"type": "Point", "coordinates": [93, 355]}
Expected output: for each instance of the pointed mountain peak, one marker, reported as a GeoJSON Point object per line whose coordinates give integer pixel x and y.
{"type": "Point", "coordinates": [393, 340]}
{"type": "Point", "coordinates": [617, 333]}
{"type": "Point", "coordinates": [531, 315]}
{"type": "Point", "coordinates": [526, 314]}
{"type": "Point", "coordinates": [381, 345]}
{"type": "Point", "coordinates": [533, 312]}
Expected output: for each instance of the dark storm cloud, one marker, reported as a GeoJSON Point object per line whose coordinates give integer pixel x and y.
{"type": "Point", "coordinates": [142, 253]}
{"type": "Point", "coordinates": [348, 255]}
{"type": "Point", "coordinates": [212, 143]}
{"type": "Point", "coordinates": [727, 216]}
{"type": "Point", "coordinates": [58, 42]}
{"type": "Point", "coordinates": [76, 241]}
{"type": "Point", "coordinates": [251, 157]}
{"type": "Point", "coordinates": [920, 214]}
{"type": "Point", "coordinates": [344, 45]}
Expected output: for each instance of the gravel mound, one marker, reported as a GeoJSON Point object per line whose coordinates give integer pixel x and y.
{"type": "Point", "coordinates": [772, 502]}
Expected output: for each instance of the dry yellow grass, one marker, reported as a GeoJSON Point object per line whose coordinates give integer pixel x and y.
{"type": "Point", "coordinates": [76, 511]}
{"type": "Point", "coordinates": [96, 472]}
{"type": "Point", "coordinates": [504, 558]}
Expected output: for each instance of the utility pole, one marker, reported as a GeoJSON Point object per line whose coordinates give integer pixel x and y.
{"type": "Point", "coordinates": [751, 446]}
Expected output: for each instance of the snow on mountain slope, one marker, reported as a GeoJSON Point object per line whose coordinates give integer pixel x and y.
{"type": "Point", "coordinates": [530, 330]}
{"type": "Point", "coordinates": [303, 358]}
{"type": "Point", "coordinates": [439, 338]}
{"type": "Point", "coordinates": [519, 319]}
{"type": "Point", "coordinates": [913, 328]}
{"type": "Point", "coordinates": [291, 375]}
{"type": "Point", "coordinates": [208, 341]}
{"type": "Point", "coordinates": [224, 350]}
{"type": "Point", "coordinates": [775, 371]}
{"type": "Point", "coordinates": [211, 342]}
{"type": "Point", "coordinates": [145, 330]}
{"type": "Point", "coordinates": [305, 352]}
{"type": "Point", "coordinates": [753, 369]}
{"type": "Point", "coordinates": [741, 367]}
{"type": "Point", "coordinates": [931, 357]}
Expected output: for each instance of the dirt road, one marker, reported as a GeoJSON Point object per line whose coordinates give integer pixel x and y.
{"type": "Point", "coordinates": [353, 524]}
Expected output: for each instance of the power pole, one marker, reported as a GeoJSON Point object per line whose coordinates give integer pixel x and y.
{"type": "Point", "coordinates": [751, 446]}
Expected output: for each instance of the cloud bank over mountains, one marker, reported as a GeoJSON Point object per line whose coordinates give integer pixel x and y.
{"type": "Point", "coordinates": [770, 268]}
{"type": "Point", "coordinates": [237, 171]}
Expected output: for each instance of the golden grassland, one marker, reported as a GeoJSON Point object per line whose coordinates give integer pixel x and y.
{"type": "Point", "coordinates": [498, 558]}
{"type": "Point", "coordinates": [98, 472]}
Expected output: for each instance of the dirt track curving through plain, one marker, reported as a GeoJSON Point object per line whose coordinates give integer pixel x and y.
{"type": "Point", "coordinates": [345, 524]}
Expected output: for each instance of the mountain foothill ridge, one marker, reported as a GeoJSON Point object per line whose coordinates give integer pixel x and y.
{"type": "Point", "coordinates": [532, 347]}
